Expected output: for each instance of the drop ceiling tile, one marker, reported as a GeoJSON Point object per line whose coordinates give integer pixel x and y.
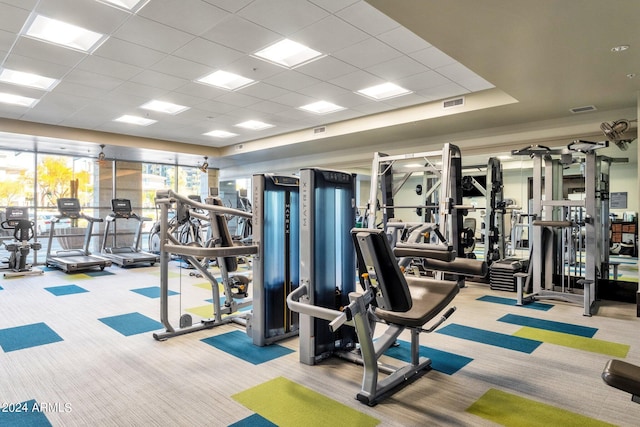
{"type": "Point", "coordinates": [282, 16]}
{"type": "Point", "coordinates": [108, 67]}
{"type": "Point", "coordinates": [229, 5]}
{"type": "Point", "coordinates": [404, 40]}
{"type": "Point", "coordinates": [405, 101]}
{"type": "Point", "coordinates": [237, 99]}
{"type": "Point", "coordinates": [208, 53]}
{"type": "Point", "coordinates": [12, 18]}
{"type": "Point", "coordinates": [397, 68]}
{"type": "Point", "coordinates": [330, 35]}
{"type": "Point", "coordinates": [254, 68]}
{"type": "Point", "coordinates": [189, 16]}
{"type": "Point", "coordinates": [199, 90]}
{"type": "Point", "coordinates": [475, 84]}
{"type": "Point", "coordinates": [268, 107]}
{"type": "Point", "coordinates": [294, 99]}
{"type": "Point", "coordinates": [291, 80]}
{"type": "Point", "coordinates": [456, 72]}
{"type": "Point", "coordinates": [433, 57]}
{"type": "Point", "coordinates": [323, 91]}
{"type": "Point", "coordinates": [357, 80]}
{"type": "Point", "coordinates": [333, 5]}
{"type": "Point", "coordinates": [424, 80]}
{"type": "Point", "coordinates": [360, 54]}
{"type": "Point", "coordinates": [67, 87]}
{"type": "Point", "coordinates": [153, 35]}
{"type": "Point", "coordinates": [448, 90]}
{"type": "Point", "coordinates": [180, 68]}
{"type": "Point", "coordinates": [86, 78]}
{"type": "Point", "coordinates": [22, 90]}
{"type": "Point", "coordinates": [12, 111]}
{"type": "Point", "coordinates": [128, 53]}
{"type": "Point", "coordinates": [31, 48]}
{"type": "Point", "coordinates": [215, 108]}
{"type": "Point", "coordinates": [24, 4]}
{"type": "Point", "coordinates": [6, 41]}
{"type": "Point", "coordinates": [242, 35]}
{"type": "Point", "coordinates": [159, 80]}
{"type": "Point", "coordinates": [92, 15]}
{"type": "Point", "coordinates": [367, 18]}
{"type": "Point", "coordinates": [35, 66]}
{"type": "Point", "coordinates": [327, 68]}
{"type": "Point", "coordinates": [350, 99]}
{"type": "Point", "coordinates": [264, 91]}
{"type": "Point", "coordinates": [131, 90]}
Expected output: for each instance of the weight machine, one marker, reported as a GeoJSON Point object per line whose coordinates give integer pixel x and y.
{"type": "Point", "coordinates": [219, 247]}
{"type": "Point", "coordinates": [335, 320]}
{"type": "Point", "coordinates": [276, 266]}
{"type": "Point", "coordinates": [441, 204]}
{"type": "Point", "coordinates": [558, 221]}
{"type": "Point", "coordinates": [17, 220]}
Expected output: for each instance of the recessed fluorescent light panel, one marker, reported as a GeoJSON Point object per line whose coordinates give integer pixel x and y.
{"type": "Point", "coordinates": [384, 91]}
{"type": "Point", "coordinates": [23, 101]}
{"type": "Point", "coordinates": [164, 107]}
{"type": "Point", "coordinates": [226, 80]}
{"type": "Point", "coordinates": [27, 79]}
{"type": "Point", "coordinates": [134, 120]}
{"type": "Point", "coordinates": [131, 5]}
{"type": "Point", "coordinates": [221, 134]}
{"type": "Point", "coordinates": [61, 33]}
{"type": "Point", "coordinates": [322, 107]}
{"type": "Point", "coordinates": [254, 125]}
{"type": "Point", "coordinates": [288, 53]}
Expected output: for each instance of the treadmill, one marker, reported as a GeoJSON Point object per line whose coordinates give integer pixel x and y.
{"type": "Point", "coordinates": [125, 256]}
{"type": "Point", "coordinates": [71, 260]}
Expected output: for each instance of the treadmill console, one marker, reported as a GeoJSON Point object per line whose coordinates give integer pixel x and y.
{"type": "Point", "coordinates": [69, 207]}
{"type": "Point", "coordinates": [121, 208]}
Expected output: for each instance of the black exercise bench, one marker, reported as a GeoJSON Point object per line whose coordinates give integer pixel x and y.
{"type": "Point", "coordinates": [623, 376]}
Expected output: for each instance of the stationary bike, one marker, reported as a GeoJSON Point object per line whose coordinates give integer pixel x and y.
{"type": "Point", "coordinates": [19, 249]}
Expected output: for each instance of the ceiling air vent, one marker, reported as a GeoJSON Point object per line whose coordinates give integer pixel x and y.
{"type": "Point", "coordinates": [584, 109]}
{"type": "Point", "coordinates": [320, 129]}
{"type": "Point", "coordinates": [455, 102]}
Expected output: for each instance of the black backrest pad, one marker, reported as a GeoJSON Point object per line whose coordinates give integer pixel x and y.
{"type": "Point", "coordinates": [225, 236]}
{"type": "Point", "coordinates": [375, 257]}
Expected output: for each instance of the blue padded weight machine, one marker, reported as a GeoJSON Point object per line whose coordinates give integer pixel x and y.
{"type": "Point", "coordinates": [276, 266]}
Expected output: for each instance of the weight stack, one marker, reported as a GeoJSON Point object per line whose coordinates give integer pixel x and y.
{"type": "Point", "coordinates": [501, 273]}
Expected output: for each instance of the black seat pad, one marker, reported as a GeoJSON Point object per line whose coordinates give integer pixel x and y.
{"type": "Point", "coordinates": [429, 298]}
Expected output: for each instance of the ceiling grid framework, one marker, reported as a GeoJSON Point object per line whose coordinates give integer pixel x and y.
{"type": "Point", "coordinates": [517, 64]}
{"type": "Point", "coordinates": [160, 51]}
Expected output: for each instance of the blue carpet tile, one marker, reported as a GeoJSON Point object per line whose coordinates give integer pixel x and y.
{"type": "Point", "coordinates": [254, 420]}
{"type": "Point", "coordinates": [23, 414]}
{"type": "Point", "coordinates": [441, 361]}
{"type": "Point", "coordinates": [27, 336]}
{"type": "Point", "coordinates": [152, 292]}
{"type": "Point", "coordinates": [496, 339]}
{"type": "Point", "coordinates": [66, 290]}
{"type": "Point", "coordinates": [511, 301]}
{"type": "Point", "coordinates": [240, 345]}
{"type": "Point", "coordinates": [565, 328]}
{"type": "Point", "coordinates": [131, 324]}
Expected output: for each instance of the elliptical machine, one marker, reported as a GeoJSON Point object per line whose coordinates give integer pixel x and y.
{"type": "Point", "coordinates": [19, 249]}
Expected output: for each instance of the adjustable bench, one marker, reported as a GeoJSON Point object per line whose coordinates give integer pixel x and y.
{"type": "Point", "coordinates": [623, 376]}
